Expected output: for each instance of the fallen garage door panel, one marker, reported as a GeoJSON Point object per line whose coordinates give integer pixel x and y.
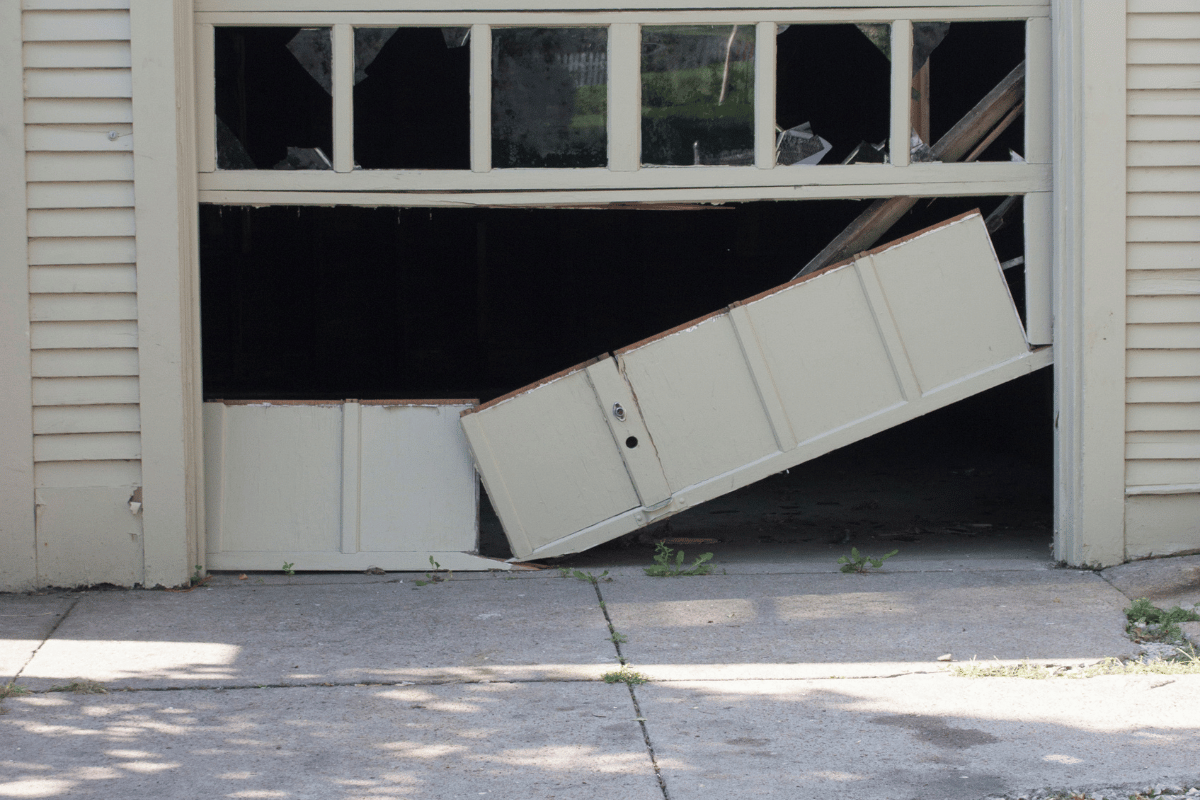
{"type": "Point", "coordinates": [604, 448]}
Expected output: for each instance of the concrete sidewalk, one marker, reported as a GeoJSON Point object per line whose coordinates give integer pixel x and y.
{"type": "Point", "coordinates": [767, 679]}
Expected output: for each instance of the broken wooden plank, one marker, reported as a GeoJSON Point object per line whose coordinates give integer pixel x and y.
{"type": "Point", "coordinates": [991, 114]}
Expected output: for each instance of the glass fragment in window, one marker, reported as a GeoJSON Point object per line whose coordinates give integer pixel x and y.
{"type": "Point", "coordinates": [412, 98]}
{"type": "Point", "coordinates": [836, 79]}
{"type": "Point", "coordinates": [698, 94]}
{"type": "Point", "coordinates": [549, 97]}
{"type": "Point", "coordinates": [970, 60]}
{"type": "Point", "coordinates": [273, 98]}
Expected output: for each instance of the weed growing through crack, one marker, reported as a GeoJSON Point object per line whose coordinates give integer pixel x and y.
{"type": "Point", "coordinates": [437, 575]}
{"type": "Point", "coordinates": [580, 575]}
{"type": "Point", "coordinates": [80, 687]}
{"type": "Point", "coordinates": [666, 567]}
{"type": "Point", "coordinates": [1149, 623]}
{"type": "Point", "coordinates": [856, 562]}
{"type": "Point", "coordinates": [289, 568]}
{"type": "Point", "coordinates": [10, 689]}
{"type": "Point", "coordinates": [625, 674]}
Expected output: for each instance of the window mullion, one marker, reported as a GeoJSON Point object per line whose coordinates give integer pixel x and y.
{"type": "Point", "coordinates": [624, 97]}
{"type": "Point", "coordinates": [206, 99]}
{"type": "Point", "coordinates": [343, 98]}
{"type": "Point", "coordinates": [481, 98]}
{"type": "Point", "coordinates": [901, 120]}
{"type": "Point", "coordinates": [764, 95]}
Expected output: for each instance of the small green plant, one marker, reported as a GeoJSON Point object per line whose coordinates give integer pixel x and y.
{"type": "Point", "coordinates": [1149, 623]}
{"type": "Point", "coordinates": [289, 568]}
{"type": "Point", "coordinates": [10, 689]}
{"type": "Point", "coordinates": [856, 562]}
{"type": "Point", "coordinates": [667, 567]}
{"type": "Point", "coordinates": [617, 638]}
{"type": "Point", "coordinates": [580, 575]}
{"type": "Point", "coordinates": [626, 675]}
{"type": "Point", "coordinates": [436, 576]}
{"type": "Point", "coordinates": [80, 687]}
{"type": "Point", "coordinates": [198, 574]}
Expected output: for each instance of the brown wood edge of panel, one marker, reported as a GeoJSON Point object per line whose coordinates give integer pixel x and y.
{"type": "Point", "coordinates": [690, 324]}
{"type": "Point", "coordinates": [530, 387]}
{"type": "Point", "coordinates": [873, 251]}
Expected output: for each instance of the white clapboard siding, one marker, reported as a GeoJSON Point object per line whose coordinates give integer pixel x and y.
{"type": "Point", "coordinates": [85, 391]}
{"type": "Point", "coordinates": [82, 307]}
{"type": "Point", "coordinates": [83, 282]}
{"type": "Point", "coordinates": [85, 363]}
{"type": "Point", "coordinates": [79, 138]}
{"type": "Point", "coordinates": [109, 194]}
{"type": "Point", "coordinates": [86, 446]}
{"type": "Point", "coordinates": [85, 278]}
{"type": "Point", "coordinates": [73, 474]}
{"type": "Point", "coordinates": [78, 167]}
{"type": "Point", "coordinates": [82, 250]}
{"type": "Point", "coordinates": [1162, 388]}
{"type": "Point", "coordinates": [82, 335]}
{"type": "Point", "coordinates": [77, 25]}
{"type": "Point", "coordinates": [78, 83]}
{"type": "Point", "coordinates": [95, 110]}
{"type": "Point", "coordinates": [86, 419]}
{"type": "Point", "coordinates": [68, 55]}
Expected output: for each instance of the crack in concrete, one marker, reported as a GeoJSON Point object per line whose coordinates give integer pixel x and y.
{"type": "Point", "coordinates": [46, 638]}
{"type": "Point", "coordinates": [637, 708]}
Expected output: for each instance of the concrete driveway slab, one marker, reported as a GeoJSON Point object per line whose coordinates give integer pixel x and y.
{"type": "Point", "coordinates": [332, 633]}
{"type": "Point", "coordinates": [926, 737]}
{"type": "Point", "coordinates": [25, 622]}
{"type": "Point", "coordinates": [851, 625]}
{"type": "Point", "coordinates": [1166, 581]}
{"type": "Point", "coordinates": [498, 740]}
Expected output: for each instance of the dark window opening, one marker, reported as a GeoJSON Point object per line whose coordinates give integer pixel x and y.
{"type": "Point", "coordinates": [274, 98]}
{"type": "Point", "coordinates": [412, 98]}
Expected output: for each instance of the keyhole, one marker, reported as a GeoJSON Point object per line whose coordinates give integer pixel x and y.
{"type": "Point", "coordinates": [631, 442]}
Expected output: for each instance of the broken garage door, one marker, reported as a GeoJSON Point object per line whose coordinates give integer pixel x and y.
{"type": "Point", "coordinates": [609, 446]}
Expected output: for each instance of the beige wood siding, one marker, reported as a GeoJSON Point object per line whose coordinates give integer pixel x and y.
{"type": "Point", "coordinates": [1163, 278]}
{"type": "Point", "coordinates": [82, 276]}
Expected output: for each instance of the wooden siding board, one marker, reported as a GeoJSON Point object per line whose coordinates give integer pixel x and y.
{"type": "Point", "coordinates": [82, 250]}
{"type": "Point", "coordinates": [83, 278]}
{"type": "Point", "coordinates": [70, 474]}
{"type": "Point", "coordinates": [1161, 51]}
{"type": "Point", "coordinates": [78, 83]}
{"type": "Point", "coordinates": [1162, 255]}
{"type": "Point", "coordinates": [98, 194]}
{"type": "Point", "coordinates": [80, 363]}
{"type": "Point", "coordinates": [76, 25]}
{"type": "Point", "coordinates": [1164, 204]}
{"type": "Point", "coordinates": [82, 307]}
{"type": "Point", "coordinates": [86, 446]}
{"type": "Point", "coordinates": [1161, 416]}
{"type": "Point", "coordinates": [1164, 308]}
{"type": "Point", "coordinates": [1164, 179]}
{"type": "Point", "coordinates": [1162, 472]}
{"type": "Point", "coordinates": [82, 335]}
{"type": "Point", "coordinates": [79, 138]}
{"type": "Point", "coordinates": [1164, 390]}
{"type": "Point", "coordinates": [1162, 363]}
{"type": "Point", "coordinates": [1163, 336]}
{"type": "Point", "coordinates": [1157, 526]}
{"type": "Point", "coordinates": [92, 110]}
{"type": "Point", "coordinates": [1163, 154]}
{"type": "Point", "coordinates": [1164, 76]}
{"type": "Point", "coordinates": [90, 222]}
{"type": "Point", "coordinates": [1162, 129]}
{"type": "Point", "coordinates": [1161, 229]}
{"type": "Point", "coordinates": [62, 167]}
{"type": "Point", "coordinates": [100, 391]}
{"type": "Point", "coordinates": [33, 5]}
{"type": "Point", "coordinates": [1164, 102]}
{"type": "Point", "coordinates": [68, 55]}
{"type": "Point", "coordinates": [1163, 281]}
{"type": "Point", "coordinates": [85, 419]}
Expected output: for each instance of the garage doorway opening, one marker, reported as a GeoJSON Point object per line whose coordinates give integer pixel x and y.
{"type": "Point", "coordinates": [315, 303]}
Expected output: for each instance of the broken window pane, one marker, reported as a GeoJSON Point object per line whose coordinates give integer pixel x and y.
{"type": "Point", "coordinates": [836, 80]}
{"type": "Point", "coordinates": [549, 97]}
{"type": "Point", "coordinates": [274, 98]}
{"type": "Point", "coordinates": [698, 94]}
{"type": "Point", "coordinates": [957, 72]}
{"type": "Point", "coordinates": [412, 98]}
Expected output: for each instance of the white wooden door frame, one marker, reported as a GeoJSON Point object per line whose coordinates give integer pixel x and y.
{"type": "Point", "coordinates": [1089, 186]}
{"type": "Point", "coordinates": [18, 548]}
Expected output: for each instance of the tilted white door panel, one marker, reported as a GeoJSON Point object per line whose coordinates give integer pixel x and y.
{"type": "Point", "coordinates": [703, 409]}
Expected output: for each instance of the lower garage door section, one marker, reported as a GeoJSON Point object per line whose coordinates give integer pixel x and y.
{"type": "Point", "coordinates": [328, 485]}
{"type": "Point", "coordinates": [612, 445]}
